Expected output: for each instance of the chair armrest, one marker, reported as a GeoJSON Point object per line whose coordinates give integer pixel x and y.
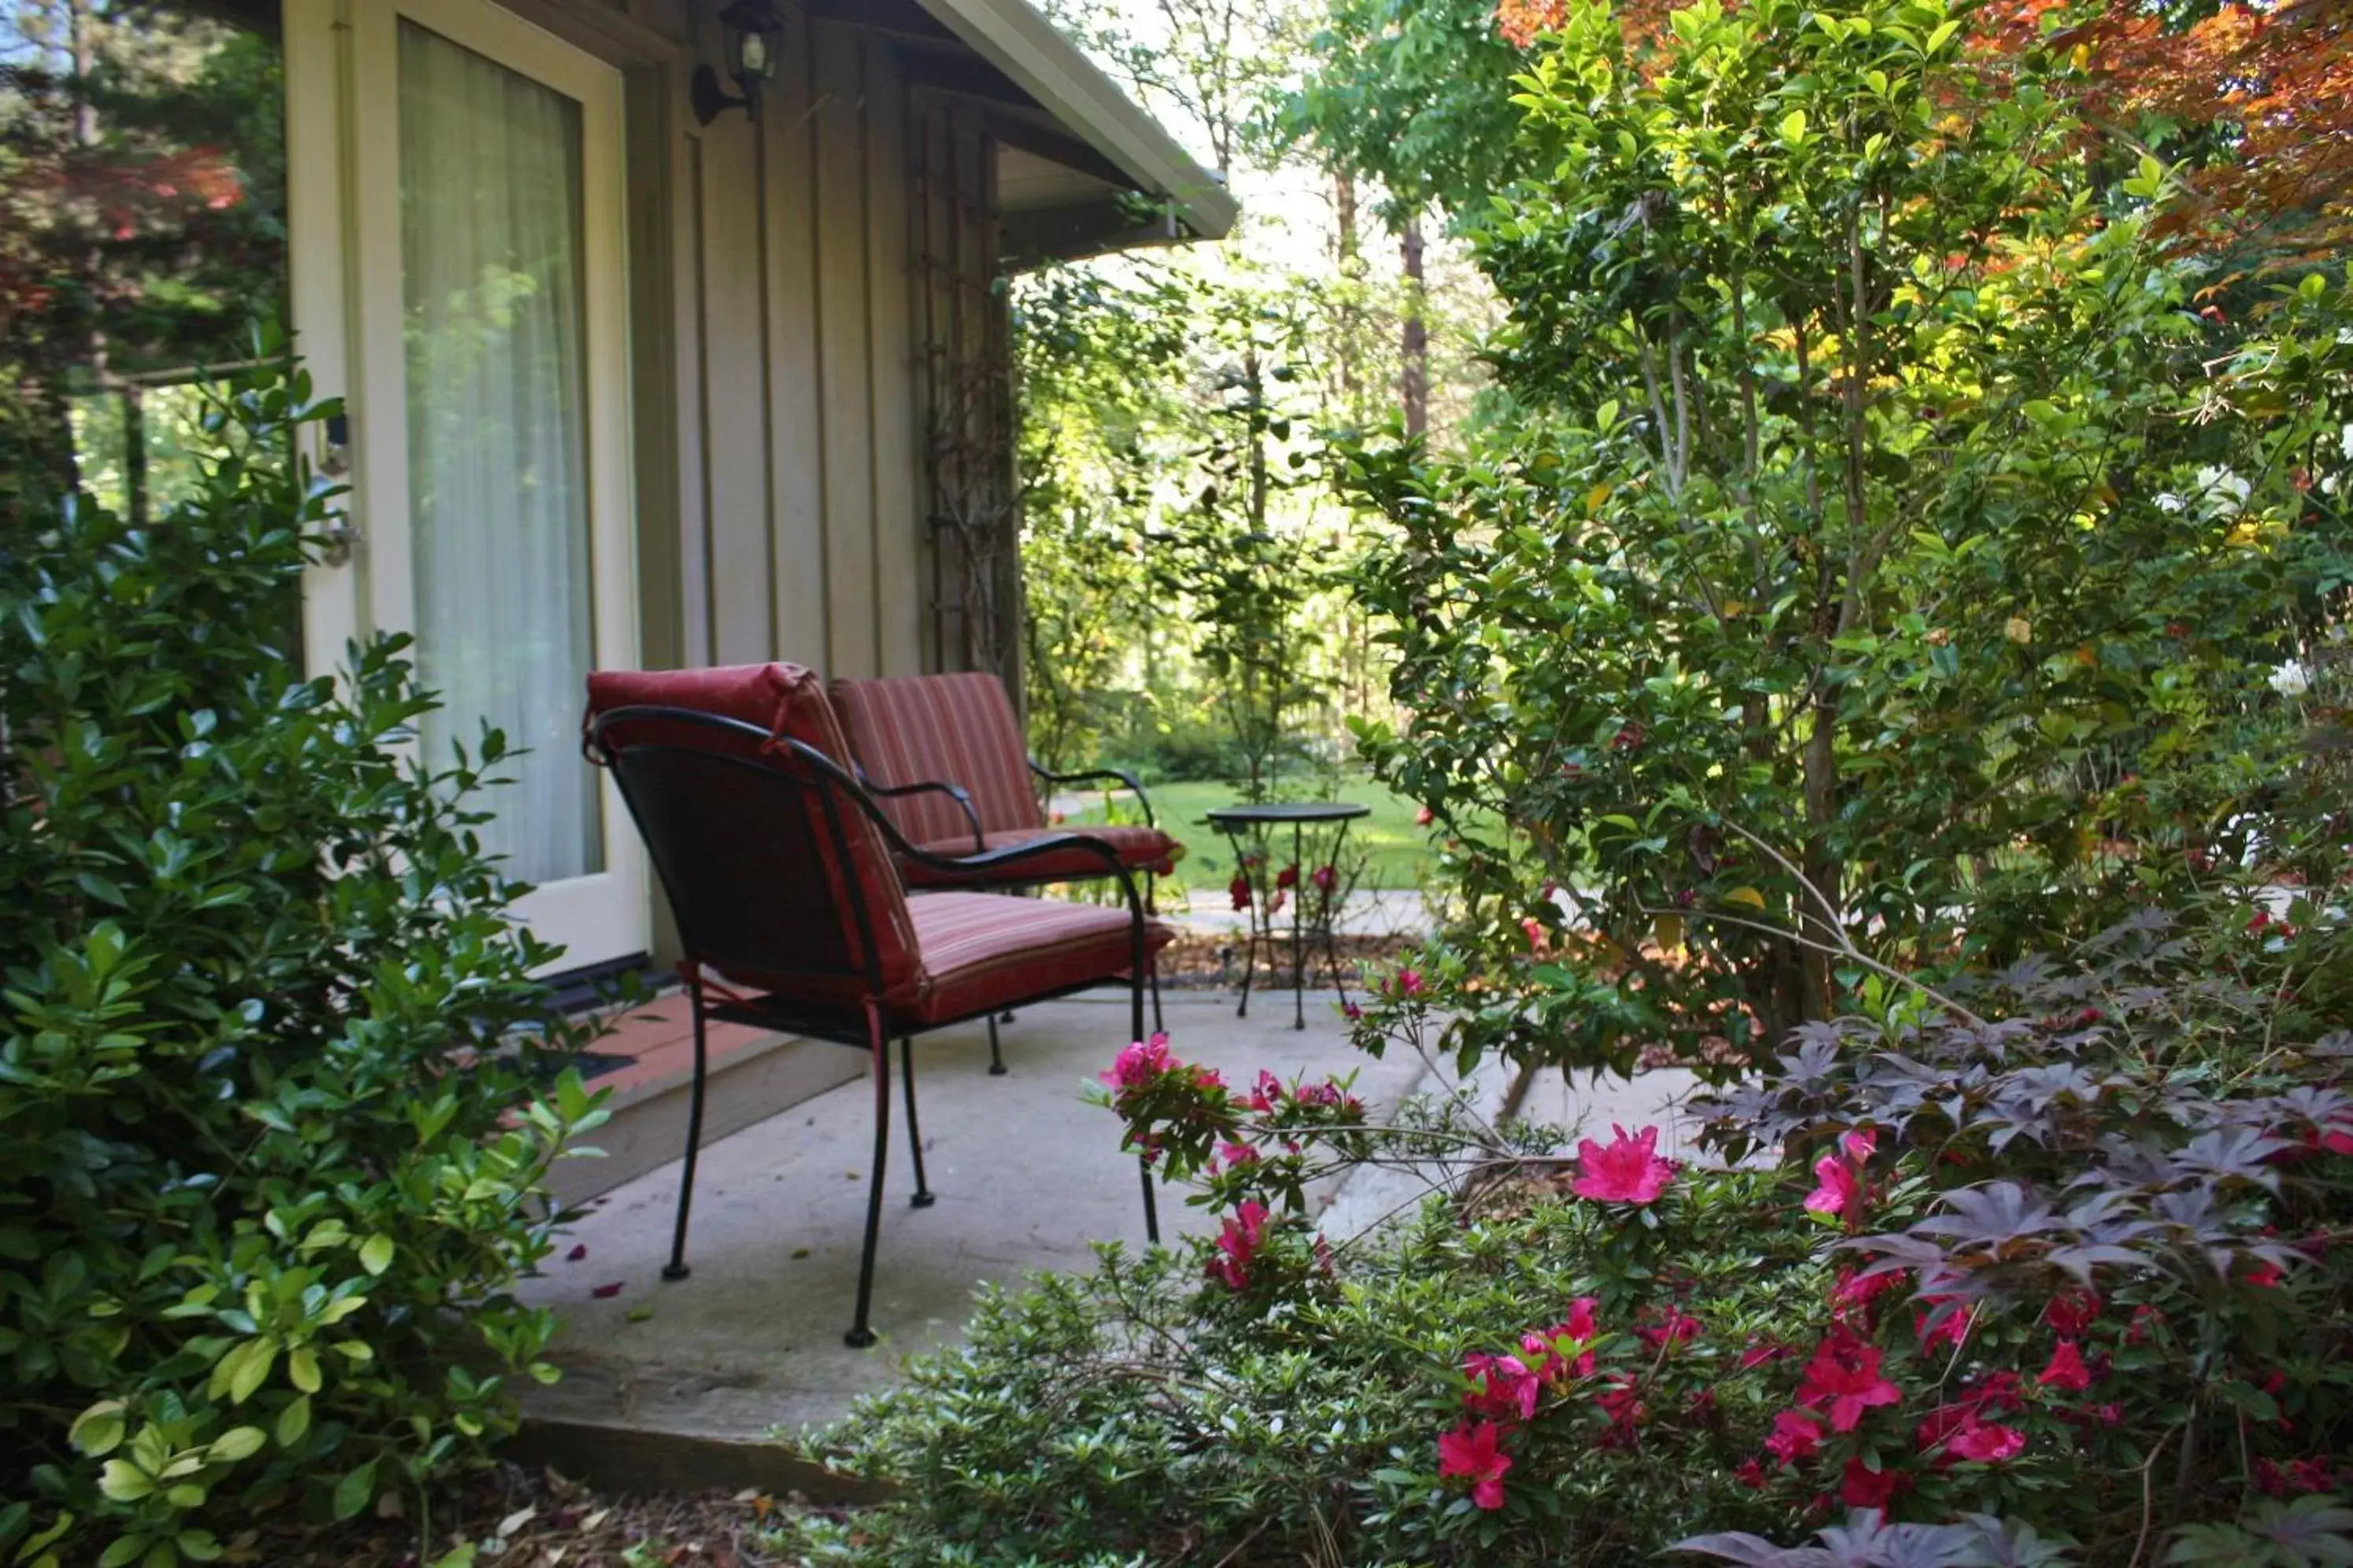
{"type": "Point", "coordinates": [1096, 776]}
{"type": "Point", "coordinates": [958, 792]}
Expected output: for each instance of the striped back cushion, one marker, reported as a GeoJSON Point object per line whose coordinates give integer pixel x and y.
{"type": "Point", "coordinates": [954, 729]}
{"type": "Point", "coordinates": [755, 878]}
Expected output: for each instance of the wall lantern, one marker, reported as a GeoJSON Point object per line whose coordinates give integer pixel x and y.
{"type": "Point", "coordinates": [752, 30]}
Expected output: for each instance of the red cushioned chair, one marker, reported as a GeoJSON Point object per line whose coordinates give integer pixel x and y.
{"type": "Point", "coordinates": [947, 755]}
{"type": "Point", "coordinates": [783, 873]}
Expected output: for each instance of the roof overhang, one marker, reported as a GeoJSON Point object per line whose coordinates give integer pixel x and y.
{"type": "Point", "coordinates": [1137, 187]}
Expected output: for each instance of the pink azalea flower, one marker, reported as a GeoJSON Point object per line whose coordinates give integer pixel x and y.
{"type": "Point", "coordinates": [1424, 817]}
{"type": "Point", "coordinates": [1539, 939]}
{"type": "Point", "coordinates": [1623, 1404]}
{"type": "Point", "coordinates": [1325, 877]}
{"type": "Point", "coordinates": [1550, 1350]}
{"type": "Point", "coordinates": [1757, 1353]}
{"type": "Point", "coordinates": [1502, 1386]}
{"type": "Point", "coordinates": [1796, 1435]}
{"type": "Point", "coordinates": [2072, 1311]}
{"type": "Point", "coordinates": [1139, 1064]}
{"type": "Point", "coordinates": [1239, 1239]}
{"type": "Point", "coordinates": [1409, 982]}
{"type": "Point", "coordinates": [1851, 1292]}
{"type": "Point", "coordinates": [1863, 1486]}
{"type": "Point", "coordinates": [1676, 1328]}
{"type": "Point", "coordinates": [1238, 890]}
{"type": "Point", "coordinates": [1628, 1170]}
{"type": "Point", "coordinates": [1952, 1329]}
{"type": "Point", "coordinates": [1960, 1433]}
{"type": "Point", "coordinates": [1237, 1153]}
{"type": "Point", "coordinates": [1750, 1473]}
{"type": "Point", "coordinates": [2066, 1370]}
{"type": "Point", "coordinates": [1266, 1094]}
{"type": "Point", "coordinates": [2265, 1274]}
{"type": "Point", "coordinates": [1287, 878]}
{"type": "Point", "coordinates": [1474, 1451]}
{"type": "Point", "coordinates": [1838, 1177]}
{"type": "Point", "coordinates": [1843, 1379]}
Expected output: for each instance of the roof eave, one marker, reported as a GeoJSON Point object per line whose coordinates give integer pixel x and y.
{"type": "Point", "coordinates": [1029, 49]}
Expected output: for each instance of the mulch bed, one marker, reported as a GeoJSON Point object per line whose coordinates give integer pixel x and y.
{"type": "Point", "coordinates": [517, 1517]}
{"type": "Point", "coordinates": [1212, 961]}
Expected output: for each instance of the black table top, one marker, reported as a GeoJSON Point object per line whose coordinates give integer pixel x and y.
{"type": "Point", "coordinates": [1291, 811]}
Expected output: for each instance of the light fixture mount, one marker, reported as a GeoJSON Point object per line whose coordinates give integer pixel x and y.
{"type": "Point", "coordinates": [752, 31]}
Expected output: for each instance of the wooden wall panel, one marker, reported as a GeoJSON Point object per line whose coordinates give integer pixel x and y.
{"type": "Point", "coordinates": [845, 344]}
{"type": "Point", "coordinates": [898, 481]}
{"type": "Point", "coordinates": [735, 421]}
{"type": "Point", "coordinates": [797, 413]}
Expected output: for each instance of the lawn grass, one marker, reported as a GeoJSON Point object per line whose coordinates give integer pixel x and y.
{"type": "Point", "coordinates": [1399, 849]}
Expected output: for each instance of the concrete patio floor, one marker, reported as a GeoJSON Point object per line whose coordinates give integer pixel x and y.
{"type": "Point", "coordinates": [687, 1383]}
{"type": "Point", "coordinates": [1028, 1175]}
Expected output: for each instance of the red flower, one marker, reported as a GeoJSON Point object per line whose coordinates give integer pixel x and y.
{"type": "Point", "coordinates": [1502, 1386]}
{"type": "Point", "coordinates": [1139, 1064]}
{"type": "Point", "coordinates": [1325, 878]}
{"type": "Point", "coordinates": [1424, 817]}
{"type": "Point", "coordinates": [2072, 1311]}
{"type": "Point", "coordinates": [1238, 1240]}
{"type": "Point", "coordinates": [1676, 1328]}
{"type": "Point", "coordinates": [2264, 1273]}
{"type": "Point", "coordinates": [1287, 878]}
{"type": "Point", "coordinates": [1952, 1329]}
{"type": "Point", "coordinates": [579, 1251]}
{"type": "Point", "coordinates": [1409, 982]}
{"type": "Point", "coordinates": [1961, 1434]}
{"type": "Point", "coordinates": [1749, 1473]}
{"type": "Point", "coordinates": [1843, 1379]}
{"type": "Point", "coordinates": [1549, 1348]}
{"type": "Point", "coordinates": [606, 1292]}
{"type": "Point", "coordinates": [1240, 891]}
{"type": "Point", "coordinates": [1237, 1153]}
{"type": "Point", "coordinates": [1863, 1487]}
{"type": "Point", "coordinates": [2066, 1370]}
{"type": "Point", "coordinates": [2145, 1320]}
{"type": "Point", "coordinates": [1838, 1177]}
{"type": "Point", "coordinates": [1796, 1435]}
{"type": "Point", "coordinates": [1474, 1451]}
{"type": "Point", "coordinates": [1628, 739]}
{"type": "Point", "coordinates": [1626, 1170]}
{"type": "Point", "coordinates": [1623, 1404]}
{"type": "Point", "coordinates": [1851, 1292]}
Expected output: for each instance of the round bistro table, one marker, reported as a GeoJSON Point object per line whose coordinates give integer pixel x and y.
{"type": "Point", "coordinates": [1240, 823]}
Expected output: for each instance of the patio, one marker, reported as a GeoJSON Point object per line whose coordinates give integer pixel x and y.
{"type": "Point", "coordinates": [693, 1379]}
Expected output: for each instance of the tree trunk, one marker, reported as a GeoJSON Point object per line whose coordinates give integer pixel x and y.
{"type": "Point", "coordinates": [1413, 343]}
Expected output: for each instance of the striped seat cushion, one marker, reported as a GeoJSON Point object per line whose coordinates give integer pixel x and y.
{"type": "Point", "coordinates": [982, 952]}
{"type": "Point", "coordinates": [1140, 848]}
{"type": "Point", "coordinates": [950, 729]}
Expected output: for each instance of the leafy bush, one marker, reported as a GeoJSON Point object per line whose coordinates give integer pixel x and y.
{"type": "Point", "coordinates": [1874, 483]}
{"type": "Point", "coordinates": [270, 1152]}
{"type": "Point", "coordinates": [2053, 1273]}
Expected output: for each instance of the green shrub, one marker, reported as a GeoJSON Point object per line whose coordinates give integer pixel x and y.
{"type": "Point", "coordinates": [2055, 1274]}
{"type": "Point", "coordinates": [270, 1154]}
{"type": "Point", "coordinates": [1875, 484]}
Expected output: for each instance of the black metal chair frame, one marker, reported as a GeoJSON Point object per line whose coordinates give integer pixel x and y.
{"type": "Point", "coordinates": [868, 1025]}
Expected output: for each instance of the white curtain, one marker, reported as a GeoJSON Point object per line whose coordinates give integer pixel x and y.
{"type": "Point", "coordinates": [491, 253]}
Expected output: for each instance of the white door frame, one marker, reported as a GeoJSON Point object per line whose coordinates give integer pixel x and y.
{"type": "Point", "coordinates": [344, 178]}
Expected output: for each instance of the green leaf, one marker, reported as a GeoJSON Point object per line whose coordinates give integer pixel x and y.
{"type": "Point", "coordinates": [98, 1430]}
{"type": "Point", "coordinates": [303, 1368]}
{"type": "Point", "coordinates": [294, 1421]}
{"type": "Point", "coordinates": [355, 1491]}
{"type": "Point", "coordinates": [237, 1443]}
{"type": "Point", "coordinates": [124, 1481]}
{"type": "Point", "coordinates": [1793, 126]}
{"type": "Point", "coordinates": [376, 1254]}
{"type": "Point", "coordinates": [123, 1550]}
{"type": "Point", "coordinates": [252, 1370]}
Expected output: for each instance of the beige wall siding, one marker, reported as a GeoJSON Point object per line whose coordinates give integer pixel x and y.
{"type": "Point", "coordinates": [785, 348]}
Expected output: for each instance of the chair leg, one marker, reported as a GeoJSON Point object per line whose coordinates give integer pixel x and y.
{"type": "Point", "coordinates": [924, 1197]}
{"type": "Point", "coordinates": [860, 1336]}
{"type": "Point", "coordinates": [996, 1051]}
{"type": "Point", "coordinates": [676, 1268]}
{"type": "Point", "coordinates": [1135, 1024]}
